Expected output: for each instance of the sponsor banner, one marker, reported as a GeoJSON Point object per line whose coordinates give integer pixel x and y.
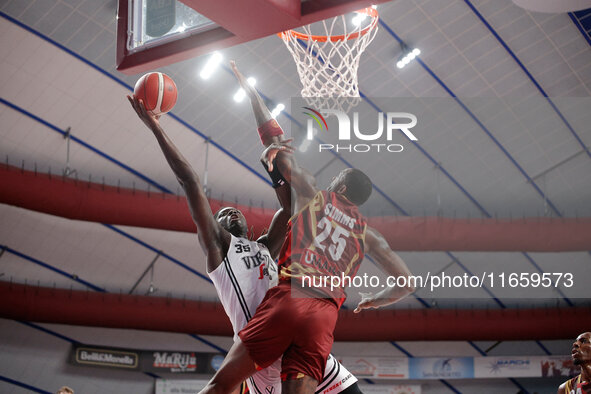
{"type": "Point", "coordinates": [388, 389]}
{"type": "Point", "coordinates": [460, 368]}
{"type": "Point", "coordinates": [146, 360]}
{"type": "Point", "coordinates": [506, 367]}
{"type": "Point", "coordinates": [524, 366]}
{"type": "Point", "coordinates": [441, 368]}
{"type": "Point", "coordinates": [557, 366]}
{"type": "Point", "coordinates": [174, 362]}
{"type": "Point", "coordinates": [104, 357]}
{"type": "Point", "coordinates": [377, 367]}
{"type": "Point", "coordinates": [392, 368]}
{"type": "Point", "coordinates": [172, 386]}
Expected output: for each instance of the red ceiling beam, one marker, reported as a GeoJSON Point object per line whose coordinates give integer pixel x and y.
{"type": "Point", "coordinates": [90, 308]}
{"type": "Point", "coordinates": [84, 308]}
{"type": "Point", "coordinates": [81, 200]}
{"type": "Point", "coordinates": [485, 235]}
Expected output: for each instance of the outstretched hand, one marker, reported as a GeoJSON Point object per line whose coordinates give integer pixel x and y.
{"type": "Point", "coordinates": [237, 72]}
{"type": "Point", "coordinates": [240, 77]}
{"type": "Point", "coordinates": [235, 68]}
{"type": "Point", "coordinates": [367, 302]}
{"type": "Point", "coordinates": [269, 154]}
{"type": "Point", "coordinates": [150, 120]}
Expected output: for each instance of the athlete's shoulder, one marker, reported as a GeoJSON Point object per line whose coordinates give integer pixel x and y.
{"type": "Point", "coordinates": [261, 245]}
{"type": "Point", "coordinates": [562, 388]}
{"type": "Point", "coordinates": [568, 386]}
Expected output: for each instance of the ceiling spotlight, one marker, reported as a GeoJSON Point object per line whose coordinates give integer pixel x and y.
{"type": "Point", "coordinates": [407, 56]}
{"type": "Point", "coordinates": [211, 65]}
{"type": "Point", "coordinates": [277, 110]}
{"type": "Point", "coordinates": [241, 94]}
{"type": "Point", "coordinates": [357, 19]}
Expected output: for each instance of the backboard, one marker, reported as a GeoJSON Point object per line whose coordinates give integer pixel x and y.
{"type": "Point", "coordinates": [155, 33]}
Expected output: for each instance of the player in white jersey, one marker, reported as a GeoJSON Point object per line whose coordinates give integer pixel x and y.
{"type": "Point", "coordinates": [242, 270]}
{"type": "Point", "coordinates": [243, 278]}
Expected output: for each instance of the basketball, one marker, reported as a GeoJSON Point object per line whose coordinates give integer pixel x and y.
{"type": "Point", "coordinates": [157, 91]}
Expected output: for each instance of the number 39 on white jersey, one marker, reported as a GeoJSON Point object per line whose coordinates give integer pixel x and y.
{"type": "Point", "coordinates": [242, 279]}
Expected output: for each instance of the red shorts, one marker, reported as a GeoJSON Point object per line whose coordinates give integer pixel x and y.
{"type": "Point", "coordinates": [300, 329]}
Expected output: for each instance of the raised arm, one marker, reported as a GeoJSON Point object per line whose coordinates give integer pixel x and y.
{"type": "Point", "coordinates": [274, 238]}
{"type": "Point", "coordinates": [271, 133]}
{"type": "Point", "coordinates": [377, 247]}
{"type": "Point", "coordinates": [213, 238]}
{"type": "Point", "coordinates": [279, 155]}
{"type": "Point", "coordinates": [268, 128]}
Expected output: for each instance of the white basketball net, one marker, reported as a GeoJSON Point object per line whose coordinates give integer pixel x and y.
{"type": "Point", "coordinates": [328, 64]}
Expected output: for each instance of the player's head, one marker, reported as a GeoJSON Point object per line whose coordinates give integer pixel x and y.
{"type": "Point", "coordinates": [232, 220]}
{"type": "Point", "coordinates": [353, 184]}
{"type": "Point", "coordinates": [581, 350]}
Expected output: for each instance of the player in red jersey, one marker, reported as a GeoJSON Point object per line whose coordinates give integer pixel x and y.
{"type": "Point", "coordinates": [328, 236]}
{"type": "Point", "coordinates": [581, 355]}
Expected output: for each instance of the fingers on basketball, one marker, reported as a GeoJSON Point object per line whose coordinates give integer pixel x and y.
{"type": "Point", "coordinates": [131, 101]}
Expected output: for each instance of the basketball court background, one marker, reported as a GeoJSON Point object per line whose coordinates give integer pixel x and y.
{"type": "Point", "coordinates": [58, 73]}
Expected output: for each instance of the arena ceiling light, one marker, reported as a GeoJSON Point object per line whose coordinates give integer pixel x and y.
{"type": "Point", "coordinates": [408, 55]}
{"type": "Point", "coordinates": [211, 65]}
{"type": "Point", "coordinates": [360, 17]}
{"type": "Point", "coordinates": [357, 19]}
{"type": "Point", "coordinates": [277, 110]}
{"type": "Point", "coordinates": [240, 93]}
